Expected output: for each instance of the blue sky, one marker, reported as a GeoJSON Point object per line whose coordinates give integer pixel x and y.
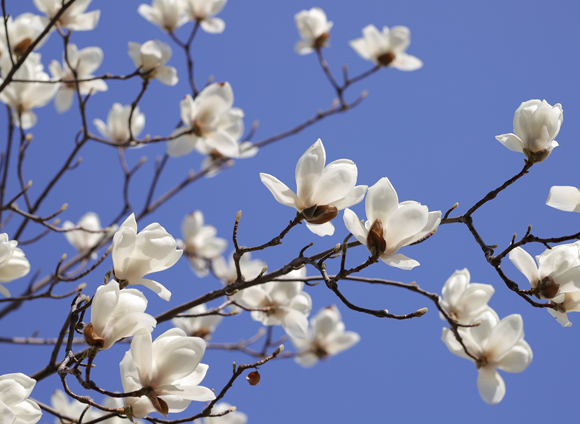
{"type": "Point", "coordinates": [431, 132]}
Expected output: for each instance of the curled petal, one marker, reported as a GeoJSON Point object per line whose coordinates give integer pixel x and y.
{"type": "Point", "coordinates": [491, 386]}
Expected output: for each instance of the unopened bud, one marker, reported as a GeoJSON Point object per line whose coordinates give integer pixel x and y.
{"type": "Point", "coordinates": [81, 286]}
{"type": "Point", "coordinates": [29, 184]}
{"type": "Point", "coordinates": [239, 215]}
{"type": "Point", "coordinates": [29, 137]}
{"type": "Point", "coordinates": [253, 378]}
{"type": "Point", "coordinates": [420, 312]}
{"type": "Point", "coordinates": [279, 350]}
{"type": "Point", "coordinates": [64, 206]}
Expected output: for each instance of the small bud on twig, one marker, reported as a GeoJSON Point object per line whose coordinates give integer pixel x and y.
{"type": "Point", "coordinates": [420, 312]}
{"type": "Point", "coordinates": [253, 378]}
{"type": "Point", "coordinates": [279, 350]}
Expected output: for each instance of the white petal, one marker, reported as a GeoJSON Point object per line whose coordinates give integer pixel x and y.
{"type": "Point", "coordinates": [518, 358]}
{"type": "Point", "coordinates": [564, 198]}
{"type": "Point", "coordinates": [337, 180]}
{"type": "Point", "coordinates": [326, 229]}
{"type": "Point", "coordinates": [167, 75]}
{"type": "Point", "coordinates": [213, 25]}
{"type": "Point", "coordinates": [309, 170]}
{"type": "Point", "coordinates": [155, 287]}
{"type": "Point", "coordinates": [491, 386]}
{"type": "Point", "coordinates": [406, 62]}
{"type": "Point", "coordinates": [355, 226]}
{"type": "Point", "coordinates": [381, 201]}
{"type": "Point", "coordinates": [511, 141]}
{"type": "Point", "coordinates": [182, 145]}
{"type": "Point", "coordinates": [400, 261]}
{"type": "Point", "coordinates": [504, 337]}
{"type": "Point", "coordinates": [525, 264]}
{"type": "Point", "coordinates": [280, 191]}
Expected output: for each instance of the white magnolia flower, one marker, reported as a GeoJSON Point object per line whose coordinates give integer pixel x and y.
{"type": "Point", "coordinates": [202, 326]}
{"type": "Point", "coordinates": [15, 407]}
{"type": "Point", "coordinates": [151, 57]}
{"type": "Point", "coordinates": [565, 198]}
{"type": "Point", "coordinates": [464, 300]}
{"type": "Point", "coordinates": [200, 242]}
{"type": "Point", "coordinates": [82, 240]}
{"type": "Point", "coordinates": [85, 62]}
{"type": "Point", "coordinates": [287, 305]}
{"type": "Point", "coordinates": [166, 14]}
{"type": "Point", "coordinates": [22, 97]}
{"type": "Point", "coordinates": [211, 120]}
{"type": "Point", "coordinates": [203, 11]}
{"type": "Point", "coordinates": [314, 29]}
{"type": "Point", "coordinates": [234, 417]}
{"type": "Point", "coordinates": [22, 31]}
{"type": "Point", "coordinates": [72, 408]}
{"type": "Point", "coordinates": [391, 225]}
{"type": "Point", "coordinates": [327, 338]}
{"type": "Point", "coordinates": [536, 125]}
{"type": "Point", "coordinates": [226, 272]}
{"type": "Point", "coordinates": [387, 48]}
{"type": "Point", "coordinates": [138, 254]}
{"type": "Point", "coordinates": [74, 17]}
{"type": "Point", "coordinates": [558, 269]}
{"type": "Point", "coordinates": [13, 263]}
{"type": "Point", "coordinates": [117, 126]}
{"type": "Point", "coordinates": [169, 368]}
{"type": "Point", "coordinates": [557, 277]}
{"type": "Point", "coordinates": [498, 345]}
{"type": "Point", "coordinates": [115, 314]}
{"type": "Point", "coordinates": [320, 191]}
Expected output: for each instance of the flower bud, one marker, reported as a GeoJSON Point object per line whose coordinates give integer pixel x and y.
{"type": "Point", "coordinates": [253, 378]}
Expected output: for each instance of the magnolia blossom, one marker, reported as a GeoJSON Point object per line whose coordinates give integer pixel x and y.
{"type": "Point", "coordinates": [83, 240]}
{"type": "Point", "coordinates": [166, 14]}
{"type": "Point", "coordinates": [464, 300]}
{"type": "Point", "coordinates": [115, 314]}
{"type": "Point", "coordinates": [203, 11]}
{"type": "Point", "coordinates": [151, 57]}
{"type": "Point", "coordinates": [200, 242]}
{"type": "Point", "coordinates": [391, 225]}
{"type": "Point", "coordinates": [314, 29]}
{"type": "Point", "coordinates": [211, 120]}
{"type": "Point", "coordinates": [557, 277]}
{"type": "Point", "coordinates": [13, 263]}
{"type": "Point", "coordinates": [22, 97]}
{"type": "Point", "coordinates": [74, 17]}
{"type": "Point", "coordinates": [234, 417]}
{"type": "Point", "coordinates": [72, 408]}
{"type": "Point", "coordinates": [85, 62]}
{"type": "Point", "coordinates": [387, 48]}
{"type": "Point", "coordinates": [327, 338]}
{"type": "Point", "coordinates": [22, 31]}
{"type": "Point", "coordinates": [138, 254]}
{"type": "Point", "coordinates": [226, 272]}
{"type": "Point", "coordinates": [320, 191]}
{"type": "Point", "coordinates": [117, 126]}
{"type": "Point", "coordinates": [284, 304]}
{"type": "Point", "coordinates": [202, 326]}
{"type": "Point", "coordinates": [498, 345]}
{"type": "Point", "coordinates": [169, 368]}
{"type": "Point", "coordinates": [565, 198]}
{"type": "Point", "coordinates": [536, 125]}
{"type": "Point", "coordinates": [15, 407]}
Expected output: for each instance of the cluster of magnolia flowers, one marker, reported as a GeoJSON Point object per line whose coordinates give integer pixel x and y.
{"type": "Point", "coordinates": [493, 344]}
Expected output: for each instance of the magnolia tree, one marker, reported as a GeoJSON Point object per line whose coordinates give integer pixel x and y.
{"type": "Point", "coordinates": [107, 356]}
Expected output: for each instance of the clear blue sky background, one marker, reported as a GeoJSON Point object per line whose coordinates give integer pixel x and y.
{"type": "Point", "coordinates": [430, 131]}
